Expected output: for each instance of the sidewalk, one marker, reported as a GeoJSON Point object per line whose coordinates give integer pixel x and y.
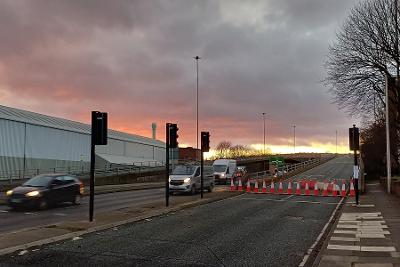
{"type": "Point", "coordinates": [366, 235]}
{"type": "Point", "coordinates": [104, 189]}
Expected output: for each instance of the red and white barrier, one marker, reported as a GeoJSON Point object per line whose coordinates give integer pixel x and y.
{"type": "Point", "coordinates": [264, 187]}
{"type": "Point", "coordinates": [256, 186]}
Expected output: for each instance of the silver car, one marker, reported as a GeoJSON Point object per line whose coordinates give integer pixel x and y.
{"type": "Point", "coordinates": [186, 179]}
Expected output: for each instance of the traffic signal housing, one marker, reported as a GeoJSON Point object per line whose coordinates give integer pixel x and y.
{"type": "Point", "coordinates": [205, 141]}
{"type": "Point", "coordinates": [173, 135]}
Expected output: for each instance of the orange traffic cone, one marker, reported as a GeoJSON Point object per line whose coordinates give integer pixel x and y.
{"type": "Point", "coordinates": [352, 191]}
{"type": "Point", "coordinates": [280, 189]}
{"type": "Point", "coordinates": [298, 190]}
{"type": "Point", "coordinates": [256, 186]}
{"type": "Point", "coordinates": [343, 193]}
{"type": "Point", "coordinates": [233, 188]}
{"type": "Point", "coordinates": [289, 188]}
{"type": "Point", "coordinates": [334, 189]}
{"type": "Point", "coordinates": [272, 190]}
{"type": "Point", "coordinates": [316, 191]}
{"type": "Point", "coordinates": [325, 192]}
{"type": "Point", "coordinates": [264, 187]}
{"type": "Point", "coordinates": [248, 187]}
{"type": "Point", "coordinates": [307, 189]}
{"type": "Point", "coordinates": [240, 186]}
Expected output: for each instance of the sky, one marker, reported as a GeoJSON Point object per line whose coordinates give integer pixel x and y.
{"type": "Point", "coordinates": [134, 60]}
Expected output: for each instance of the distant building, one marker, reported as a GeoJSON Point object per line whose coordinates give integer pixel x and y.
{"type": "Point", "coordinates": [33, 143]}
{"type": "Point", "coordinates": [189, 153]}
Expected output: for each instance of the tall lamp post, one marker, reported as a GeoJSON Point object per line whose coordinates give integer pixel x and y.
{"type": "Point", "coordinates": [197, 100]}
{"type": "Point", "coordinates": [336, 141]}
{"type": "Point", "coordinates": [294, 138]}
{"type": "Point", "coordinates": [264, 130]}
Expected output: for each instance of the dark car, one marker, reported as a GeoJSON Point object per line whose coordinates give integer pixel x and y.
{"type": "Point", "coordinates": [45, 190]}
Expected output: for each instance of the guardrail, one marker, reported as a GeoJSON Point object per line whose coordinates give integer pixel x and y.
{"type": "Point", "coordinates": [286, 169]}
{"type": "Point", "coordinates": [138, 167]}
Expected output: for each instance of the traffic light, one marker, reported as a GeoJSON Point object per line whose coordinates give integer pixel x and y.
{"type": "Point", "coordinates": [205, 141]}
{"type": "Point", "coordinates": [354, 137]}
{"type": "Point", "coordinates": [99, 128]}
{"type": "Point", "coordinates": [173, 136]}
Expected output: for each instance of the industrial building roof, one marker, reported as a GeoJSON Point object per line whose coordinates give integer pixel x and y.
{"type": "Point", "coordinates": [68, 125]}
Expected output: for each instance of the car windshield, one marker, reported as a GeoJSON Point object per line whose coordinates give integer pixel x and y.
{"type": "Point", "coordinates": [183, 170]}
{"type": "Point", "coordinates": [219, 168]}
{"type": "Point", "coordinates": [38, 181]}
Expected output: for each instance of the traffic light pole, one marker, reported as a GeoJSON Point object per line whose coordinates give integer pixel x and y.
{"type": "Point", "coordinates": [92, 164]}
{"type": "Point", "coordinates": [355, 174]}
{"type": "Point", "coordinates": [167, 164]}
{"type": "Point", "coordinates": [201, 175]}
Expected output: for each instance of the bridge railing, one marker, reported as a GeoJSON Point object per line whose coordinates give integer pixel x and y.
{"type": "Point", "coordinates": [83, 171]}
{"type": "Point", "coordinates": [286, 169]}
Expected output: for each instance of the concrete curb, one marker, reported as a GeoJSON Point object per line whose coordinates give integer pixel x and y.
{"type": "Point", "coordinates": [114, 224]}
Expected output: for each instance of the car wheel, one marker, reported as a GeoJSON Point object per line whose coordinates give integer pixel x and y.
{"type": "Point", "coordinates": [43, 204]}
{"type": "Point", "coordinates": [77, 199]}
{"type": "Point", "coordinates": [193, 190]}
{"type": "Point", "coordinates": [210, 188]}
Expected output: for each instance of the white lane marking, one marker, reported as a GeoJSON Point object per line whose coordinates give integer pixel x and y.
{"type": "Point", "coordinates": [344, 247]}
{"type": "Point", "coordinates": [378, 249]}
{"type": "Point", "coordinates": [362, 232]}
{"type": "Point", "coordinates": [362, 222]}
{"type": "Point", "coordinates": [370, 235]}
{"type": "Point", "coordinates": [374, 184]}
{"type": "Point", "coordinates": [292, 201]}
{"type": "Point", "coordinates": [3, 211]}
{"type": "Point", "coordinates": [346, 239]}
{"type": "Point", "coordinates": [286, 198]}
{"type": "Point", "coordinates": [59, 214]}
{"type": "Point", "coordinates": [30, 213]}
{"type": "Point", "coordinates": [352, 226]}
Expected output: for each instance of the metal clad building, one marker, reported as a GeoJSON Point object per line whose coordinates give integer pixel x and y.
{"type": "Point", "coordinates": [31, 142]}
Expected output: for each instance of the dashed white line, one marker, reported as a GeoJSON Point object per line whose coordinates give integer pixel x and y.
{"type": "Point", "coordinates": [3, 211]}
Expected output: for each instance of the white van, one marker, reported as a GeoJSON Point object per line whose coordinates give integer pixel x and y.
{"type": "Point", "coordinates": [186, 179]}
{"type": "Point", "coordinates": [224, 170]}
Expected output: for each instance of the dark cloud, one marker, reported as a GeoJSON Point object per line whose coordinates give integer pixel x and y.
{"type": "Point", "coordinates": [135, 60]}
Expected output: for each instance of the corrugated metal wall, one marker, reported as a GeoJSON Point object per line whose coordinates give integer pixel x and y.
{"type": "Point", "coordinates": [31, 148]}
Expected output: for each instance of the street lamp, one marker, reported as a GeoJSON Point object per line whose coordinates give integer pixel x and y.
{"type": "Point", "coordinates": [336, 141]}
{"type": "Point", "coordinates": [197, 100]}
{"type": "Point", "coordinates": [294, 138]}
{"type": "Point", "coordinates": [264, 130]}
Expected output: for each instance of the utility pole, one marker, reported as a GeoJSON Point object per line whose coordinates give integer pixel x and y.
{"type": "Point", "coordinates": [197, 100]}
{"type": "Point", "coordinates": [388, 160]}
{"type": "Point", "coordinates": [294, 139]}
{"type": "Point", "coordinates": [264, 131]}
{"type": "Point", "coordinates": [336, 141]}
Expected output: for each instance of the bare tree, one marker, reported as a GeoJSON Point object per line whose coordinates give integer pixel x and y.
{"type": "Point", "coordinates": [365, 52]}
{"type": "Point", "coordinates": [223, 149]}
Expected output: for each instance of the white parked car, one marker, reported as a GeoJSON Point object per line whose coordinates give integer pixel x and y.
{"type": "Point", "coordinates": [186, 179]}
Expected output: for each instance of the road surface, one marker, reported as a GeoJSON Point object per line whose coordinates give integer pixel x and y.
{"type": "Point", "coordinates": [15, 220]}
{"type": "Point", "coordinates": [247, 230]}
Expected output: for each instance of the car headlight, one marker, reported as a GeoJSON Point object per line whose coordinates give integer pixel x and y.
{"type": "Point", "coordinates": [33, 194]}
{"type": "Point", "coordinates": [222, 174]}
{"type": "Point", "coordinates": [187, 180]}
{"type": "Point", "coordinates": [169, 179]}
{"type": "Point", "coordinates": [9, 192]}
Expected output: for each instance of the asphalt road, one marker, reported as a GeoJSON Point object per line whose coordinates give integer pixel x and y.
{"type": "Point", "coordinates": [247, 230]}
{"type": "Point", "coordinates": [15, 220]}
